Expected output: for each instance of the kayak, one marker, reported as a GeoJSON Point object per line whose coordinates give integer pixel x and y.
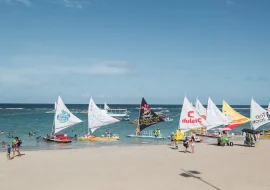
{"type": "Point", "coordinates": [98, 138]}
{"type": "Point", "coordinates": [62, 140]}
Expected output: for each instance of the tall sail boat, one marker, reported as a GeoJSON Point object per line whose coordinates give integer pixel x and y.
{"type": "Point", "coordinates": [106, 107]}
{"type": "Point", "coordinates": [258, 115]}
{"type": "Point", "coordinates": [214, 116]}
{"type": "Point", "coordinates": [52, 111]}
{"type": "Point", "coordinates": [199, 107]}
{"type": "Point", "coordinates": [96, 119]}
{"type": "Point", "coordinates": [190, 118]}
{"type": "Point", "coordinates": [237, 119]}
{"type": "Point", "coordinates": [146, 118]}
{"type": "Point", "coordinates": [63, 119]}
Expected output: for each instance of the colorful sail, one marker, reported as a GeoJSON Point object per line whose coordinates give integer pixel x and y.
{"type": "Point", "coordinates": [97, 117]}
{"type": "Point", "coordinates": [258, 115]}
{"type": "Point", "coordinates": [147, 116]}
{"type": "Point", "coordinates": [214, 116]}
{"type": "Point", "coordinates": [63, 117]}
{"type": "Point", "coordinates": [190, 117]}
{"type": "Point", "coordinates": [237, 118]}
{"type": "Point", "coordinates": [199, 107]}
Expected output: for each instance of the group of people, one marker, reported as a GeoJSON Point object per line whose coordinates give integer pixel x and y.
{"type": "Point", "coordinates": [15, 148]}
{"type": "Point", "coordinates": [186, 142]}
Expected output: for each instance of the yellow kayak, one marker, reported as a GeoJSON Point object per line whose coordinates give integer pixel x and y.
{"type": "Point", "coordinates": [98, 138]}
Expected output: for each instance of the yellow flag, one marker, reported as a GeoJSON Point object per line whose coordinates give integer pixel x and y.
{"type": "Point", "coordinates": [237, 118]}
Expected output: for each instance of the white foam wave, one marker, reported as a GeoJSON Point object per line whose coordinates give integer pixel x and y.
{"type": "Point", "coordinates": [14, 108]}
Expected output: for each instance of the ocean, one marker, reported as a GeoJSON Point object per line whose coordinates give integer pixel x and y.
{"type": "Point", "coordinates": [20, 119]}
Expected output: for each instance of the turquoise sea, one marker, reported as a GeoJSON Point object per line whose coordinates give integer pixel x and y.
{"type": "Point", "coordinates": [20, 119]}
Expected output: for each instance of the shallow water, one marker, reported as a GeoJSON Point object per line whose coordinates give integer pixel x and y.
{"type": "Point", "coordinates": [20, 119]}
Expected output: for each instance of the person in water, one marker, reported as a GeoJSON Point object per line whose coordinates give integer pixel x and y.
{"type": "Point", "coordinates": [158, 131]}
{"type": "Point", "coordinates": [138, 131]}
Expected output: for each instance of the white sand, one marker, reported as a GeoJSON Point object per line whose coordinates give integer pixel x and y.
{"type": "Point", "coordinates": [139, 168]}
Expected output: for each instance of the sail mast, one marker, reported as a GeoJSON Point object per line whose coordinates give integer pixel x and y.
{"type": "Point", "coordinates": [138, 125]}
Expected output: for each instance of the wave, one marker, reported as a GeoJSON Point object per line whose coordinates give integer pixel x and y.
{"type": "Point", "coordinates": [14, 108]}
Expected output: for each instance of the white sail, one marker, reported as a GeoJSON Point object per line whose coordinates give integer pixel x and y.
{"type": "Point", "coordinates": [63, 117]}
{"type": "Point", "coordinates": [55, 105]}
{"type": "Point", "coordinates": [269, 108]}
{"type": "Point", "coordinates": [190, 117]}
{"type": "Point", "coordinates": [214, 116]}
{"type": "Point", "coordinates": [98, 118]}
{"type": "Point", "coordinates": [106, 107]}
{"type": "Point", "coordinates": [258, 115]}
{"type": "Point", "coordinates": [199, 107]}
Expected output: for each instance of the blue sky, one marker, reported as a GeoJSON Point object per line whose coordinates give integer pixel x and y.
{"type": "Point", "coordinates": [118, 50]}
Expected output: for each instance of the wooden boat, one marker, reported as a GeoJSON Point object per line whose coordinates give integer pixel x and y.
{"type": "Point", "coordinates": [63, 119]}
{"type": "Point", "coordinates": [146, 118]}
{"type": "Point", "coordinates": [59, 139]}
{"type": "Point", "coordinates": [96, 119]}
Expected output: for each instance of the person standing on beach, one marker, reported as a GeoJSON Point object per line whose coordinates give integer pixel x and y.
{"type": "Point", "coordinates": [192, 143]}
{"type": "Point", "coordinates": [8, 152]}
{"type": "Point", "coordinates": [16, 145]}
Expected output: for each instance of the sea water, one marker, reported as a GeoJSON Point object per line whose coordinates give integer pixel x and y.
{"type": "Point", "coordinates": [20, 119]}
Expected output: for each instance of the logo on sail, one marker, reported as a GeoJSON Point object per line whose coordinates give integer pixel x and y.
{"type": "Point", "coordinates": [63, 116]}
{"type": "Point", "coordinates": [260, 118]}
{"type": "Point", "coordinates": [146, 111]}
{"type": "Point", "coordinates": [191, 118]}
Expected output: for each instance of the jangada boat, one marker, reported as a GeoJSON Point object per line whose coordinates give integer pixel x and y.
{"type": "Point", "coordinates": [63, 119]}
{"type": "Point", "coordinates": [59, 138]}
{"type": "Point", "coordinates": [147, 117]}
{"type": "Point", "coordinates": [96, 119]}
{"type": "Point", "coordinates": [259, 116]}
{"type": "Point", "coordinates": [214, 118]}
{"type": "Point", "coordinates": [190, 119]}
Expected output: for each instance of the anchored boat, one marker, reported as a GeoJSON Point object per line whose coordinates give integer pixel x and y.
{"type": "Point", "coordinates": [96, 119]}
{"type": "Point", "coordinates": [63, 119]}
{"type": "Point", "coordinates": [147, 117]}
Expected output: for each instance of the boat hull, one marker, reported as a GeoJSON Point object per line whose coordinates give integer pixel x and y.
{"type": "Point", "coordinates": [265, 137]}
{"type": "Point", "coordinates": [145, 136]}
{"type": "Point", "coordinates": [98, 138]}
{"type": "Point", "coordinates": [58, 140]}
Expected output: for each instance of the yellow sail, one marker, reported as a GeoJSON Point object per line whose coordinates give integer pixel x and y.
{"type": "Point", "coordinates": [237, 118]}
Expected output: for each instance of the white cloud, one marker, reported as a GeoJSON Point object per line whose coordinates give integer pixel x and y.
{"type": "Point", "coordinates": [32, 70]}
{"type": "Point", "coordinates": [27, 3]}
{"type": "Point", "coordinates": [79, 4]}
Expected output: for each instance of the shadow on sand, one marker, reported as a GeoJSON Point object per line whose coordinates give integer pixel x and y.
{"type": "Point", "coordinates": [214, 144]}
{"type": "Point", "coordinates": [193, 173]}
{"type": "Point", "coordinates": [184, 151]}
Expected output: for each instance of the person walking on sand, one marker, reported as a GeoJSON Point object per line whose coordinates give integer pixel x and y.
{"type": "Point", "coordinates": [16, 144]}
{"type": "Point", "coordinates": [186, 143]}
{"type": "Point", "coordinates": [8, 152]}
{"type": "Point", "coordinates": [192, 144]}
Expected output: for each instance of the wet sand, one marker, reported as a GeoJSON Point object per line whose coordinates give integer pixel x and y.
{"type": "Point", "coordinates": [140, 168]}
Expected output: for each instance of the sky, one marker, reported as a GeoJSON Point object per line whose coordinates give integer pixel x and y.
{"type": "Point", "coordinates": [119, 51]}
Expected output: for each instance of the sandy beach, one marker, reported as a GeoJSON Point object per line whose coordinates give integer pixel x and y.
{"type": "Point", "coordinates": [139, 167]}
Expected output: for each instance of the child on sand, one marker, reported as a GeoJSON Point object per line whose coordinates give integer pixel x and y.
{"type": "Point", "coordinates": [8, 152]}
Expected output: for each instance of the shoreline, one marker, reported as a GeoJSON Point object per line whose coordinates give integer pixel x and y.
{"type": "Point", "coordinates": [94, 144]}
